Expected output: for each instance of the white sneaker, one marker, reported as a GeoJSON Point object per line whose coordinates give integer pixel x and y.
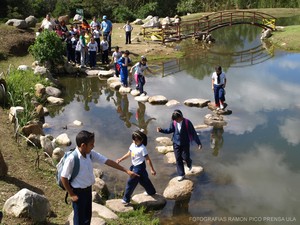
{"type": "Point", "coordinates": [221, 106]}
{"type": "Point", "coordinates": [124, 202]}
{"type": "Point", "coordinates": [190, 168]}
{"type": "Point", "coordinates": [180, 178]}
{"type": "Point", "coordinates": [145, 193]}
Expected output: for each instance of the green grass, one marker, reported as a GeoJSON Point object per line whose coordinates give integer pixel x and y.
{"type": "Point", "coordinates": [135, 217]}
{"type": "Point", "coordinates": [288, 38]}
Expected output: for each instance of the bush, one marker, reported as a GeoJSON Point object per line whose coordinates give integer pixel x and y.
{"type": "Point", "coordinates": [20, 89]}
{"type": "Point", "coordinates": [48, 47]}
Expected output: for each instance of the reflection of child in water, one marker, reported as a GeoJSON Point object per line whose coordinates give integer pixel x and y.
{"type": "Point", "coordinates": [216, 140]}
{"type": "Point", "coordinates": [122, 105]}
{"type": "Point", "coordinates": [140, 117]}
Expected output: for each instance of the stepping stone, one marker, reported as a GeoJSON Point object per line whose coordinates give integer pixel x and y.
{"type": "Point", "coordinates": [117, 206]}
{"type": "Point", "coordinates": [115, 85]}
{"type": "Point", "coordinates": [214, 120]}
{"type": "Point", "coordinates": [113, 79]}
{"type": "Point", "coordinates": [154, 202]}
{"type": "Point", "coordinates": [158, 100]}
{"type": "Point", "coordinates": [164, 149]}
{"type": "Point", "coordinates": [103, 211]}
{"type": "Point", "coordinates": [135, 92]}
{"type": "Point", "coordinates": [195, 170]}
{"type": "Point", "coordinates": [166, 141]}
{"type": "Point", "coordinates": [178, 190]}
{"type": "Point", "coordinates": [172, 102]}
{"type": "Point", "coordinates": [170, 158]}
{"type": "Point", "coordinates": [106, 73]}
{"type": "Point", "coordinates": [125, 89]}
{"type": "Point", "coordinates": [198, 102]}
{"type": "Point", "coordinates": [142, 98]}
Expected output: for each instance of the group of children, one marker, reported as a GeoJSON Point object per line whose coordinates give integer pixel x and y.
{"type": "Point", "coordinates": [80, 187]}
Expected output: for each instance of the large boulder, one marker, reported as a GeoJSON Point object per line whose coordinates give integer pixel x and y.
{"type": "Point", "coordinates": [63, 140]}
{"type": "Point", "coordinates": [28, 204]}
{"type": "Point", "coordinates": [94, 220]}
{"type": "Point", "coordinates": [53, 91]}
{"type": "Point", "coordinates": [101, 188]}
{"type": "Point", "coordinates": [64, 18]}
{"type": "Point", "coordinates": [178, 190]}
{"type": "Point", "coordinates": [31, 21]}
{"type": "Point", "coordinates": [21, 24]}
{"type": "Point", "coordinates": [33, 128]}
{"type": "Point", "coordinates": [55, 100]}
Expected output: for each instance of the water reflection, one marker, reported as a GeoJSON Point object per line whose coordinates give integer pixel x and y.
{"type": "Point", "coordinates": [140, 117]}
{"type": "Point", "coordinates": [256, 171]}
{"type": "Point", "coordinates": [122, 107]}
{"type": "Point", "coordinates": [216, 140]}
{"type": "Point", "coordinates": [256, 185]}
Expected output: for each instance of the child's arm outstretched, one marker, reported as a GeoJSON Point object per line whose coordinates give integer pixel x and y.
{"type": "Point", "coordinates": [123, 157]}
{"type": "Point", "coordinates": [153, 172]}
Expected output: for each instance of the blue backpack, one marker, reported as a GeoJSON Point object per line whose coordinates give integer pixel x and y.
{"type": "Point", "coordinates": [59, 168]}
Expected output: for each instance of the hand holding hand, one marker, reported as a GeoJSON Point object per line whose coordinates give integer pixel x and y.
{"type": "Point", "coordinates": [158, 129]}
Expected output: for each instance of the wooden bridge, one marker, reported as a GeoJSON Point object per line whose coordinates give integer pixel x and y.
{"type": "Point", "coordinates": [206, 24]}
{"type": "Point", "coordinates": [253, 56]}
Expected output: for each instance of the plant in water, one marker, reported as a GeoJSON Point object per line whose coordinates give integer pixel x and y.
{"type": "Point", "coordinates": [48, 48]}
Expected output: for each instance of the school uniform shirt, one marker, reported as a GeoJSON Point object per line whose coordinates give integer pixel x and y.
{"type": "Point", "coordinates": [140, 68]}
{"type": "Point", "coordinates": [85, 177]}
{"type": "Point", "coordinates": [93, 47]}
{"type": "Point", "coordinates": [127, 27]}
{"type": "Point", "coordinates": [138, 154]}
{"type": "Point", "coordinates": [116, 56]}
{"type": "Point", "coordinates": [222, 78]}
{"type": "Point", "coordinates": [104, 45]}
{"type": "Point", "coordinates": [96, 33]}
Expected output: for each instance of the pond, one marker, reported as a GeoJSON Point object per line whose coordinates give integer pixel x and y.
{"type": "Point", "coordinates": [251, 166]}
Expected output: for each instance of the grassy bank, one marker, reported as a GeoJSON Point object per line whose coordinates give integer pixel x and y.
{"type": "Point", "coordinates": [287, 38]}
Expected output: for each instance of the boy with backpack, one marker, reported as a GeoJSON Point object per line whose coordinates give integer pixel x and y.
{"type": "Point", "coordinates": [139, 155]}
{"type": "Point", "coordinates": [116, 56]}
{"type": "Point", "coordinates": [80, 187]}
{"type": "Point", "coordinates": [183, 133]}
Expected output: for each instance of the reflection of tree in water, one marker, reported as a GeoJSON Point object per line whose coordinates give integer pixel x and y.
{"type": "Point", "coordinates": [122, 105]}
{"type": "Point", "coordinates": [140, 117]}
{"type": "Point", "coordinates": [216, 140]}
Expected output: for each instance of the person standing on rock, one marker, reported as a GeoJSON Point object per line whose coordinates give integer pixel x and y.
{"type": "Point", "coordinates": [218, 86]}
{"type": "Point", "coordinates": [183, 134]}
{"type": "Point", "coordinates": [80, 188]}
{"type": "Point", "coordinates": [123, 62]}
{"type": "Point", "coordinates": [139, 155]}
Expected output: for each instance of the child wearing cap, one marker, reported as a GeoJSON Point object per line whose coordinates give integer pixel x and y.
{"type": "Point", "coordinates": [139, 77]}
{"type": "Point", "coordinates": [139, 155]}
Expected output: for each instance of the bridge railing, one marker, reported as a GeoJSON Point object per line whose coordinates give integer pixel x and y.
{"type": "Point", "coordinates": [208, 23]}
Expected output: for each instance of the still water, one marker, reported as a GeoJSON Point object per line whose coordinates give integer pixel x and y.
{"type": "Point", "coordinates": [252, 172]}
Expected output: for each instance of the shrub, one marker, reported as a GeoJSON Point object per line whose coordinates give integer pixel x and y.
{"type": "Point", "coordinates": [48, 47]}
{"type": "Point", "coordinates": [20, 89]}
